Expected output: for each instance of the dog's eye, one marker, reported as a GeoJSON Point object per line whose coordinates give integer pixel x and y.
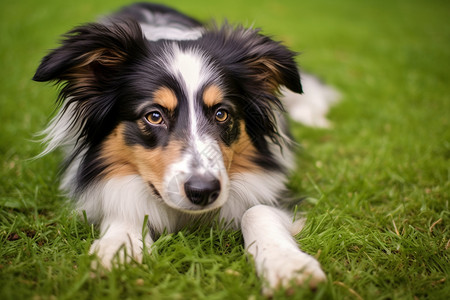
{"type": "Point", "coordinates": [154, 118]}
{"type": "Point", "coordinates": [221, 115]}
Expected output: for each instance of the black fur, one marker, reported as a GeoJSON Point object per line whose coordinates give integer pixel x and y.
{"type": "Point", "coordinates": [107, 69]}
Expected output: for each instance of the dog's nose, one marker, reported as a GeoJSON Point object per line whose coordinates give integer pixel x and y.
{"type": "Point", "coordinates": [202, 189]}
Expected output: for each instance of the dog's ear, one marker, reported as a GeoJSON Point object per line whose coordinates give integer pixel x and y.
{"type": "Point", "coordinates": [254, 57]}
{"type": "Point", "coordinates": [272, 64]}
{"type": "Point", "coordinates": [89, 65]}
{"type": "Point", "coordinates": [257, 66]}
{"type": "Point", "coordinates": [91, 54]}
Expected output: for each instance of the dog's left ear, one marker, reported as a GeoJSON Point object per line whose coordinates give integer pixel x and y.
{"type": "Point", "coordinates": [252, 56]}
{"type": "Point", "coordinates": [258, 67]}
{"type": "Point", "coordinates": [272, 64]}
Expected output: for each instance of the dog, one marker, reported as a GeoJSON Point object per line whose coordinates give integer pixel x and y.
{"type": "Point", "coordinates": [169, 121]}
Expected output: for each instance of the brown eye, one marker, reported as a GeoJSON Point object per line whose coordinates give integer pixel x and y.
{"type": "Point", "coordinates": [154, 118]}
{"type": "Point", "coordinates": [221, 115]}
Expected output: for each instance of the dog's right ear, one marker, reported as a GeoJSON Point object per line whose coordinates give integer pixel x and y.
{"type": "Point", "coordinates": [90, 63]}
{"type": "Point", "coordinates": [91, 53]}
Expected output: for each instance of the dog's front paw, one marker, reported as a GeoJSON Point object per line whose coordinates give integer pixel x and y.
{"type": "Point", "coordinates": [117, 249]}
{"type": "Point", "coordinates": [289, 267]}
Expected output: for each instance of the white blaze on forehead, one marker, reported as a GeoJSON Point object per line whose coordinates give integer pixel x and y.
{"type": "Point", "coordinates": [191, 70]}
{"type": "Point", "coordinates": [190, 67]}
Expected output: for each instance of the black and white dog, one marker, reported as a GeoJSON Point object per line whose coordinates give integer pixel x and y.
{"type": "Point", "coordinates": [172, 121]}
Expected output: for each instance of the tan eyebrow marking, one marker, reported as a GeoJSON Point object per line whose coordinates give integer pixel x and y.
{"type": "Point", "coordinates": [212, 95]}
{"type": "Point", "coordinates": [166, 98]}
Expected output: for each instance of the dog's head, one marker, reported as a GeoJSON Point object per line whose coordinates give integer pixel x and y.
{"type": "Point", "coordinates": [185, 116]}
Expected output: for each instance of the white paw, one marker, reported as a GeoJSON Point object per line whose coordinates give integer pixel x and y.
{"type": "Point", "coordinates": [290, 267]}
{"type": "Point", "coordinates": [118, 249]}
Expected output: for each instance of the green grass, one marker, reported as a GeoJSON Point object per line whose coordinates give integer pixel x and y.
{"type": "Point", "coordinates": [377, 184]}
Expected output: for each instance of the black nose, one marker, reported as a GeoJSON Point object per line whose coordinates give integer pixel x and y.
{"type": "Point", "coordinates": [202, 189]}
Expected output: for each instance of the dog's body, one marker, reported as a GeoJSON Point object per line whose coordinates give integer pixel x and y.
{"type": "Point", "coordinates": [166, 118]}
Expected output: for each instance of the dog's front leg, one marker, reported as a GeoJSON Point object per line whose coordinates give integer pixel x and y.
{"type": "Point", "coordinates": [122, 239]}
{"type": "Point", "coordinates": [268, 238]}
{"type": "Point", "coordinates": [121, 207]}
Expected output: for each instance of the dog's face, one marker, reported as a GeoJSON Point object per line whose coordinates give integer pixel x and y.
{"type": "Point", "coordinates": [185, 116]}
{"type": "Point", "coordinates": [180, 131]}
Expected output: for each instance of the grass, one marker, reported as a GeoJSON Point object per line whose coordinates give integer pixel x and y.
{"type": "Point", "coordinates": [377, 184]}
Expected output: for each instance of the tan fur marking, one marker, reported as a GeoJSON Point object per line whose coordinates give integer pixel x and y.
{"type": "Point", "coordinates": [117, 155]}
{"type": "Point", "coordinates": [82, 76]}
{"type": "Point", "coordinates": [212, 95]}
{"type": "Point", "coordinates": [152, 164]}
{"type": "Point", "coordinates": [267, 73]}
{"type": "Point", "coordinates": [166, 98]}
{"type": "Point", "coordinates": [124, 160]}
{"type": "Point", "coordinates": [238, 157]}
{"type": "Point", "coordinates": [103, 56]}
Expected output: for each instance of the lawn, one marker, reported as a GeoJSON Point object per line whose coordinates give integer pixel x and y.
{"type": "Point", "coordinates": [376, 185]}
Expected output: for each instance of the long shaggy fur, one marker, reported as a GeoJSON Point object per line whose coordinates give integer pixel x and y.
{"type": "Point", "coordinates": [166, 118]}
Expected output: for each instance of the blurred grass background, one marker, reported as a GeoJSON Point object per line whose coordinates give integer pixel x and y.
{"type": "Point", "coordinates": [377, 184]}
